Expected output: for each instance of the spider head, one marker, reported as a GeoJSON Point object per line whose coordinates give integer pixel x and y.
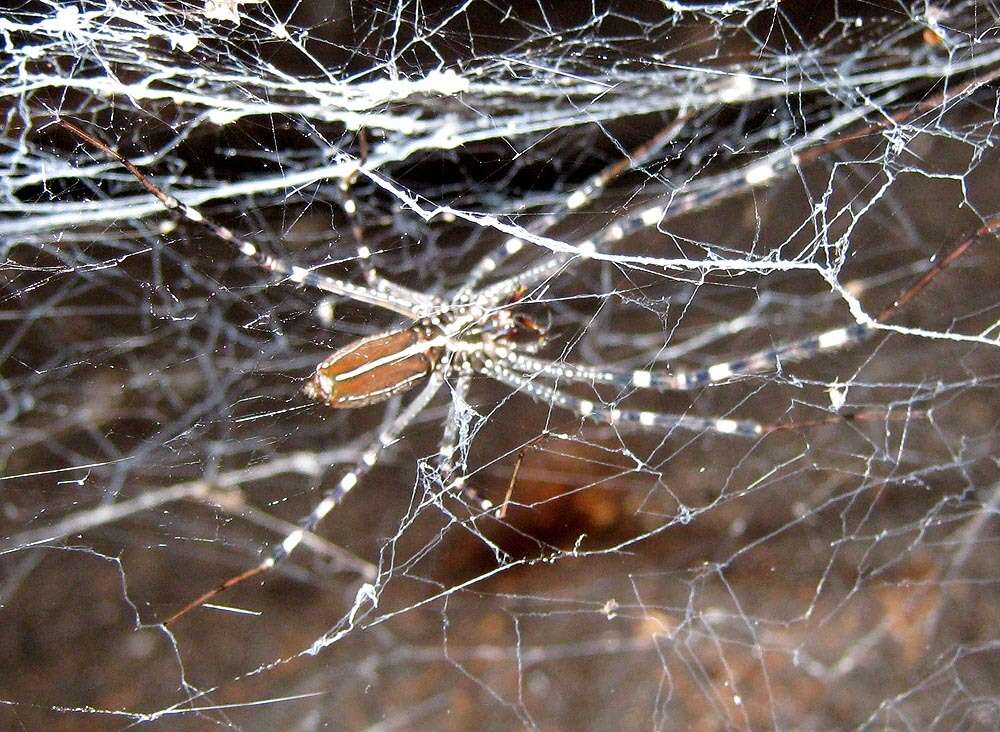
{"type": "Point", "coordinates": [517, 329]}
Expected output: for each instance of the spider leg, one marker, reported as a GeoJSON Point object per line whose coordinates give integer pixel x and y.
{"type": "Point", "coordinates": [544, 393]}
{"type": "Point", "coordinates": [702, 194]}
{"type": "Point", "coordinates": [754, 363]}
{"type": "Point", "coordinates": [580, 197]}
{"type": "Point", "coordinates": [423, 304]}
{"type": "Point", "coordinates": [708, 191]}
{"type": "Point", "coordinates": [395, 300]}
{"type": "Point", "coordinates": [369, 458]}
{"type": "Point", "coordinates": [417, 304]}
{"type": "Point", "coordinates": [373, 278]}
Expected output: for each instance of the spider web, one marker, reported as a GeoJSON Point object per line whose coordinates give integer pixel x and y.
{"type": "Point", "coordinates": [837, 574]}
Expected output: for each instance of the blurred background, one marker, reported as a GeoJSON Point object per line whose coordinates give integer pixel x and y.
{"type": "Point", "coordinates": [838, 573]}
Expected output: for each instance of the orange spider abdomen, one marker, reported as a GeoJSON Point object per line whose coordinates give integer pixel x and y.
{"type": "Point", "coordinates": [371, 370]}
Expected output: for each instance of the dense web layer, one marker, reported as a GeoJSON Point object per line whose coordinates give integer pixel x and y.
{"type": "Point", "coordinates": [739, 487]}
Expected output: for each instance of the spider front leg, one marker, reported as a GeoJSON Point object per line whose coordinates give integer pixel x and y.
{"type": "Point", "coordinates": [581, 196]}
{"type": "Point", "coordinates": [588, 409]}
{"type": "Point", "coordinates": [423, 303]}
{"type": "Point", "coordinates": [387, 295]}
{"type": "Point", "coordinates": [528, 366]}
{"type": "Point", "coordinates": [665, 380]}
{"type": "Point", "coordinates": [706, 192]}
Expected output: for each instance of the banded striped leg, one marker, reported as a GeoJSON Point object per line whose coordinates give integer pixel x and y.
{"type": "Point", "coordinates": [723, 186]}
{"type": "Point", "coordinates": [333, 497]}
{"type": "Point", "coordinates": [418, 304]}
{"type": "Point", "coordinates": [350, 205]}
{"type": "Point", "coordinates": [397, 300]}
{"type": "Point", "coordinates": [626, 225]}
{"type": "Point", "coordinates": [546, 394]}
{"type": "Point", "coordinates": [424, 304]}
{"type": "Point", "coordinates": [707, 191]}
{"type": "Point", "coordinates": [372, 276]}
{"type": "Point", "coordinates": [753, 363]}
{"type": "Point", "coordinates": [758, 362]}
{"type": "Point", "coordinates": [703, 194]}
{"type": "Point", "coordinates": [575, 200]}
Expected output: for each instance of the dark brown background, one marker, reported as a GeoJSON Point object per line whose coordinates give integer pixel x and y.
{"type": "Point", "coordinates": [834, 576]}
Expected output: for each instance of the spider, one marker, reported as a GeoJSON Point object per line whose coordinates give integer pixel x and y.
{"type": "Point", "coordinates": [480, 329]}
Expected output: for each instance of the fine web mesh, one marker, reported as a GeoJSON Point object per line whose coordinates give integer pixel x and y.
{"type": "Point", "coordinates": [838, 573]}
